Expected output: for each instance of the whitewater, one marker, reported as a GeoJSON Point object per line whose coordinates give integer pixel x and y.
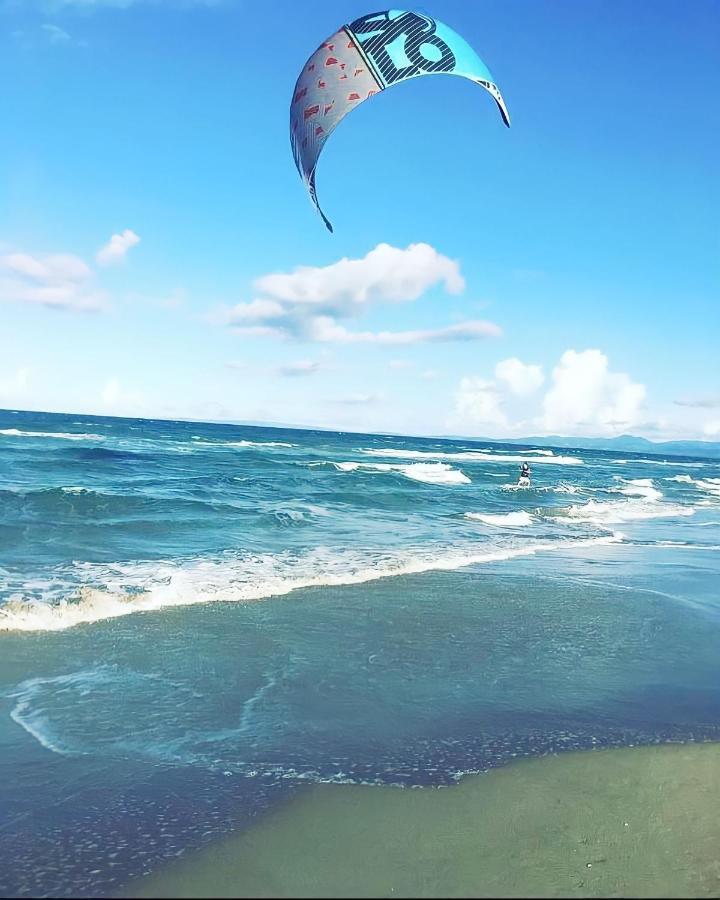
{"type": "Point", "coordinates": [151, 515]}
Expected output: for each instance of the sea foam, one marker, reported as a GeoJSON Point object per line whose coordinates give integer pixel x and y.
{"type": "Point", "coordinates": [429, 473]}
{"type": "Point", "coordinates": [58, 435]}
{"type": "Point", "coordinates": [472, 456]}
{"type": "Point", "coordinates": [145, 587]}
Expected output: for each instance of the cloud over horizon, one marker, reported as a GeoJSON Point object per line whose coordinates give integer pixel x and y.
{"type": "Point", "coordinates": [584, 398]}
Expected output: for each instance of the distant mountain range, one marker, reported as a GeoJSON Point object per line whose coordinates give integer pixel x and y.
{"type": "Point", "coordinates": [626, 443]}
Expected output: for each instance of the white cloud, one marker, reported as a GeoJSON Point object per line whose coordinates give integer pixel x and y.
{"type": "Point", "coordinates": [309, 303]}
{"type": "Point", "coordinates": [53, 267]}
{"type": "Point", "coordinates": [700, 402]}
{"type": "Point", "coordinates": [58, 280]}
{"type": "Point", "coordinates": [712, 429]}
{"type": "Point", "coordinates": [302, 367]}
{"type": "Point", "coordinates": [479, 402]}
{"type": "Point", "coordinates": [586, 398]}
{"type": "Point", "coordinates": [325, 329]}
{"type": "Point", "coordinates": [520, 378]}
{"type": "Point", "coordinates": [116, 248]}
{"type": "Point", "coordinates": [385, 273]}
{"type": "Point", "coordinates": [258, 311]}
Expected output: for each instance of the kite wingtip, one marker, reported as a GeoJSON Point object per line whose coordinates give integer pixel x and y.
{"type": "Point", "coordinates": [325, 219]}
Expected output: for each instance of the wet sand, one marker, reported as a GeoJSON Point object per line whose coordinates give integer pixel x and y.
{"type": "Point", "coordinates": [634, 822]}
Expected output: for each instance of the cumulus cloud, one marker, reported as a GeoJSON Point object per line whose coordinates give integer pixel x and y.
{"type": "Point", "coordinates": [116, 248]}
{"type": "Point", "coordinates": [587, 398]}
{"type": "Point", "coordinates": [386, 273]}
{"type": "Point", "coordinates": [58, 280]}
{"type": "Point", "coordinates": [310, 303]}
{"type": "Point", "coordinates": [712, 429]}
{"type": "Point", "coordinates": [583, 398]}
{"type": "Point", "coordinates": [519, 378]}
{"type": "Point", "coordinates": [479, 402]}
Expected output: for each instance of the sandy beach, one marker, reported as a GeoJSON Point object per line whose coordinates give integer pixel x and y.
{"type": "Point", "coordinates": [633, 822]}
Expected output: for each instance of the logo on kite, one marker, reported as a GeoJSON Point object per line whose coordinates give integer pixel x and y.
{"type": "Point", "coordinates": [367, 56]}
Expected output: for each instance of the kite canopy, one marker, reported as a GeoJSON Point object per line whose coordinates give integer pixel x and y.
{"type": "Point", "coordinates": [367, 56]}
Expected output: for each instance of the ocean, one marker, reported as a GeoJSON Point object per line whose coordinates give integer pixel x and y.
{"type": "Point", "coordinates": [197, 621]}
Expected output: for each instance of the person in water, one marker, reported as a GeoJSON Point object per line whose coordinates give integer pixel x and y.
{"type": "Point", "coordinates": [524, 473]}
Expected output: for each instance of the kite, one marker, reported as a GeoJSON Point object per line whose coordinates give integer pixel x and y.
{"type": "Point", "coordinates": [360, 60]}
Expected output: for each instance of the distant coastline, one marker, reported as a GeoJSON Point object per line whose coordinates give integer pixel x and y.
{"type": "Point", "coordinates": [624, 443]}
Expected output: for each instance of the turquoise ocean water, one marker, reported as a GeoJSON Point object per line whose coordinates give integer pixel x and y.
{"type": "Point", "coordinates": [196, 620]}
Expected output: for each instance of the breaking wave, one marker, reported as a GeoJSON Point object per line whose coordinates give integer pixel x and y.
{"type": "Point", "coordinates": [429, 473]}
{"type": "Point", "coordinates": [473, 456]}
{"type": "Point", "coordinates": [58, 435]}
{"type": "Point", "coordinates": [149, 586]}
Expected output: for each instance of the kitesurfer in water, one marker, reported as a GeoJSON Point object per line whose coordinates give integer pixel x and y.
{"type": "Point", "coordinates": [524, 475]}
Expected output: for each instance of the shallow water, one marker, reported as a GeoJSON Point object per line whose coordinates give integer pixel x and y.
{"type": "Point", "coordinates": [380, 624]}
{"type": "Point", "coordinates": [615, 823]}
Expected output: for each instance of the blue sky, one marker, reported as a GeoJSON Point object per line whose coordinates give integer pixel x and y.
{"type": "Point", "coordinates": [576, 253]}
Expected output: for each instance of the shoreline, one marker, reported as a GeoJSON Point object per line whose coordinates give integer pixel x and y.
{"type": "Point", "coordinates": [624, 822]}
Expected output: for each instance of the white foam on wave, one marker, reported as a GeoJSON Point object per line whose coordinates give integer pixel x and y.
{"type": "Point", "coordinates": [543, 488]}
{"type": "Point", "coordinates": [506, 452]}
{"type": "Point", "coordinates": [241, 444]}
{"type": "Point", "coordinates": [34, 720]}
{"type": "Point", "coordinates": [686, 545]}
{"type": "Point", "coordinates": [429, 473]}
{"type": "Point", "coordinates": [644, 501]}
{"type": "Point", "coordinates": [706, 485]}
{"type": "Point", "coordinates": [59, 435]}
{"type": "Point", "coordinates": [472, 456]}
{"type": "Point", "coordinates": [150, 586]}
{"type": "Point", "coordinates": [641, 487]}
{"type": "Point", "coordinates": [518, 519]}
{"type": "Point", "coordinates": [659, 462]}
